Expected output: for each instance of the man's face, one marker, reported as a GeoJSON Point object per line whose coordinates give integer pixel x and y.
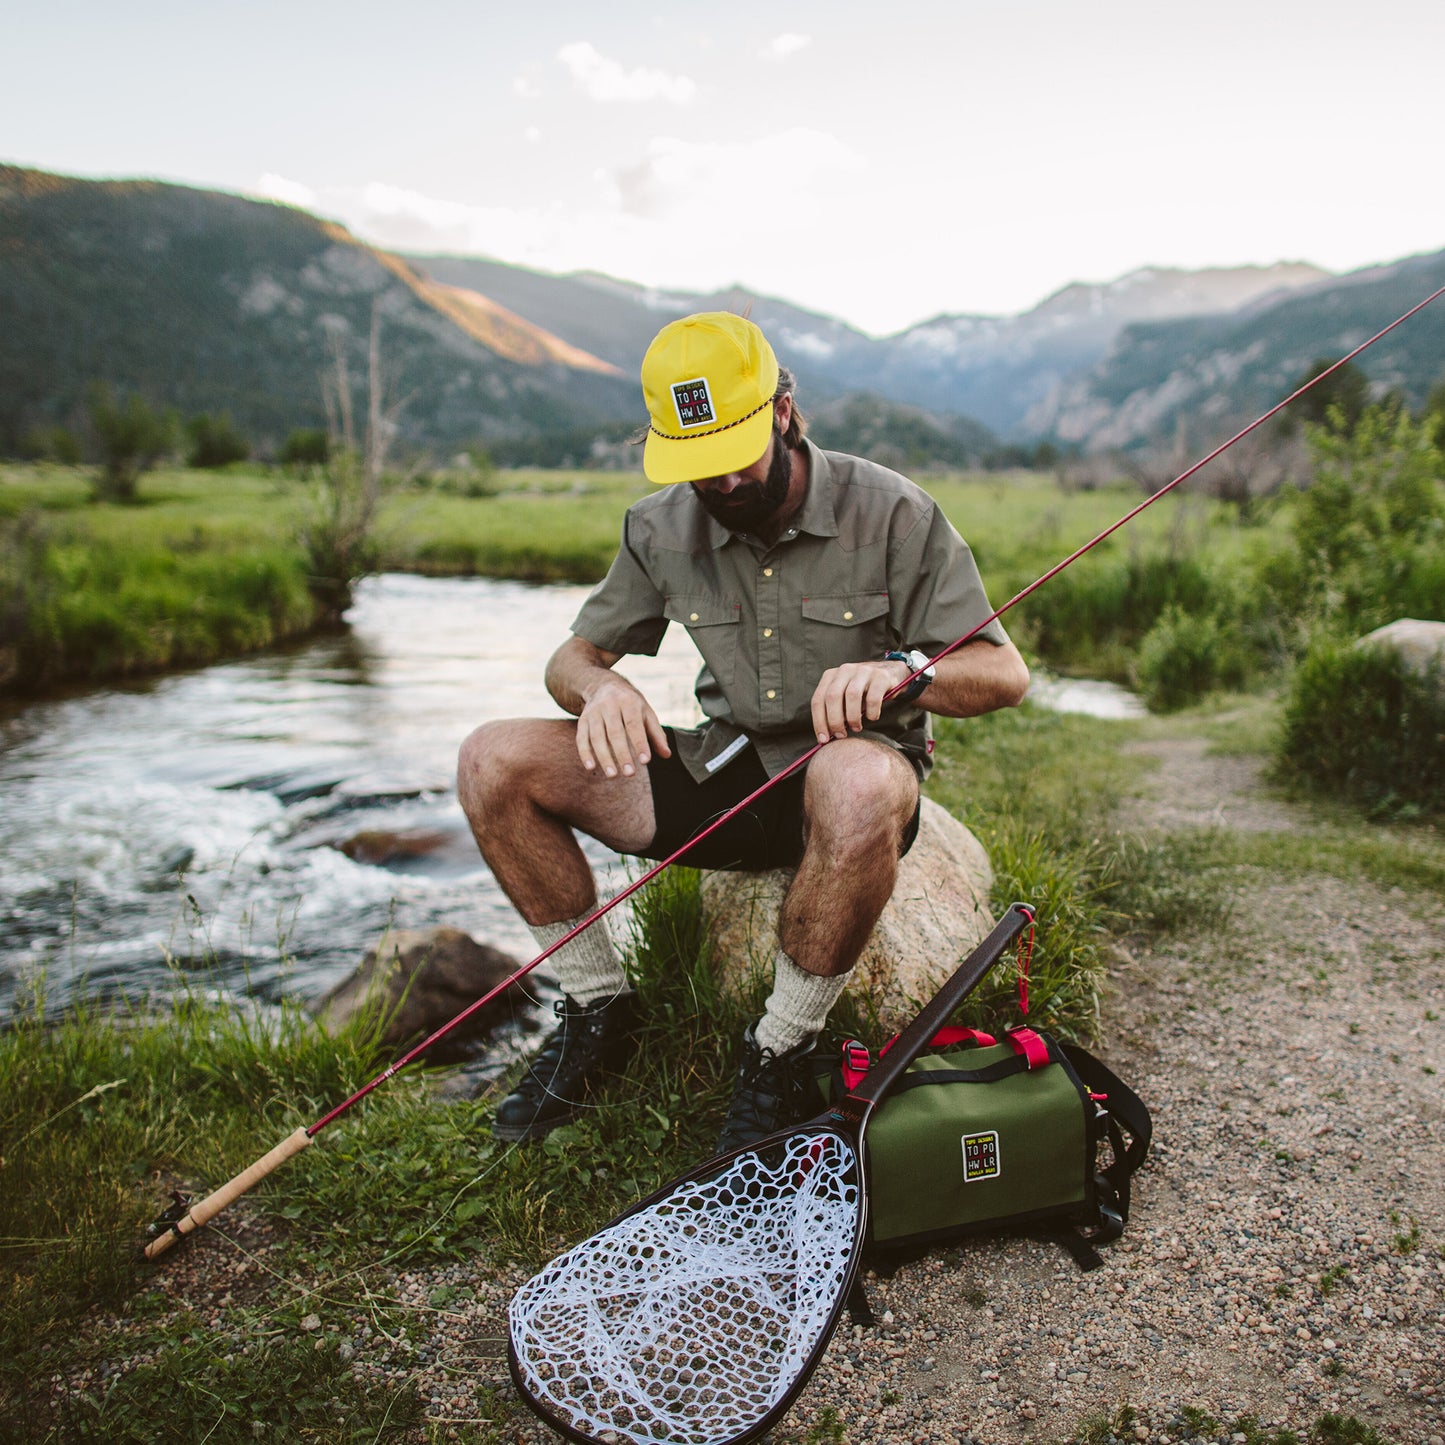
{"type": "Point", "coordinates": [744, 501]}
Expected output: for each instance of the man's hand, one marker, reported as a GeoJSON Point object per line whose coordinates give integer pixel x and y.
{"type": "Point", "coordinates": [847, 698]}
{"type": "Point", "coordinates": [617, 729]}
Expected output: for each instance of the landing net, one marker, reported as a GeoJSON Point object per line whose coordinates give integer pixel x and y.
{"type": "Point", "coordinates": [690, 1320]}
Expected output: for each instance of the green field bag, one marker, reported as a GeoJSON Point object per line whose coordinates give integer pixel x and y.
{"type": "Point", "coordinates": [985, 1133]}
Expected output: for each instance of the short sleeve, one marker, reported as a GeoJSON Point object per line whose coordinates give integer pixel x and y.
{"type": "Point", "coordinates": [939, 595]}
{"type": "Point", "coordinates": [623, 613]}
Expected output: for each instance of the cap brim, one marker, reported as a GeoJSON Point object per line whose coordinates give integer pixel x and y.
{"type": "Point", "coordinates": [691, 459]}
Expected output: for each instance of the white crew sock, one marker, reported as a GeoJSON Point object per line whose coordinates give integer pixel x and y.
{"type": "Point", "coordinates": [589, 967]}
{"type": "Point", "coordinates": [798, 1006]}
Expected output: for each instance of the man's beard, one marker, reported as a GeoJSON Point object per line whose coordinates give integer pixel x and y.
{"type": "Point", "coordinates": [749, 507]}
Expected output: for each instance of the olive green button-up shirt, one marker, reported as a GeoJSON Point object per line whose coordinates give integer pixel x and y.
{"type": "Point", "coordinates": [868, 565]}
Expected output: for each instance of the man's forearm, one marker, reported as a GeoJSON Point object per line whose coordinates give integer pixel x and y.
{"type": "Point", "coordinates": [980, 677]}
{"type": "Point", "coordinates": [575, 670]}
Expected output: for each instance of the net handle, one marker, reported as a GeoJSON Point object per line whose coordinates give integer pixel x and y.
{"type": "Point", "coordinates": [919, 1034]}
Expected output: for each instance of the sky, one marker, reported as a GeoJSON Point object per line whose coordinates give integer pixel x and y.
{"type": "Point", "coordinates": [882, 162]}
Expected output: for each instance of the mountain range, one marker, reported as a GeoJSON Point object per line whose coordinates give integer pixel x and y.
{"type": "Point", "coordinates": [206, 301]}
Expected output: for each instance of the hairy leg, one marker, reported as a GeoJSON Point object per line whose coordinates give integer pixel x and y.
{"type": "Point", "coordinates": [857, 800]}
{"type": "Point", "coordinates": [523, 789]}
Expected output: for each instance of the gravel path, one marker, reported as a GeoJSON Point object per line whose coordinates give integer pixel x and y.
{"type": "Point", "coordinates": [1286, 1256]}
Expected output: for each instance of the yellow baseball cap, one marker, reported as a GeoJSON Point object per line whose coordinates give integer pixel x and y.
{"type": "Point", "coordinates": [708, 381]}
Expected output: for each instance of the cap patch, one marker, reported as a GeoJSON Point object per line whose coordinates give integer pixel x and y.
{"type": "Point", "coordinates": [693, 402]}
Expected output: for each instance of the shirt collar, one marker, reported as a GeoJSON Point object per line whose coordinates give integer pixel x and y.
{"type": "Point", "coordinates": [816, 515]}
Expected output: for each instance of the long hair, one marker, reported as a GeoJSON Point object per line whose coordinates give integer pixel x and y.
{"type": "Point", "coordinates": [797, 423]}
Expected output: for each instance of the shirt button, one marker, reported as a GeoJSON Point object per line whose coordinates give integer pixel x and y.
{"type": "Point", "coordinates": [772, 693]}
{"type": "Point", "coordinates": [692, 616]}
{"type": "Point", "coordinates": [767, 571]}
{"type": "Point", "coordinates": [767, 632]}
{"type": "Point", "coordinates": [847, 617]}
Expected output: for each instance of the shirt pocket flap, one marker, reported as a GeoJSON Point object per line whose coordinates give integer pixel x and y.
{"type": "Point", "coordinates": [846, 609]}
{"type": "Point", "coordinates": [699, 611]}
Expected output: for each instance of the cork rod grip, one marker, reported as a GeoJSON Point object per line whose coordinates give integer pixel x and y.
{"type": "Point", "coordinates": [214, 1203]}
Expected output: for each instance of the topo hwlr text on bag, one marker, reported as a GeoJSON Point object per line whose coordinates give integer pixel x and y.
{"type": "Point", "coordinates": [1019, 1133]}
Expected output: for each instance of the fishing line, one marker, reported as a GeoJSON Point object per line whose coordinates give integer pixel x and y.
{"type": "Point", "coordinates": [184, 1218]}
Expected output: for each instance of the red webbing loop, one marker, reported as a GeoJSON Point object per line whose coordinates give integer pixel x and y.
{"type": "Point", "coordinates": [958, 1034]}
{"type": "Point", "coordinates": [1030, 1045]}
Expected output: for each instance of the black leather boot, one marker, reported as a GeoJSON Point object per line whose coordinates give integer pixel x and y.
{"type": "Point", "coordinates": [771, 1091]}
{"type": "Point", "coordinates": [588, 1043]}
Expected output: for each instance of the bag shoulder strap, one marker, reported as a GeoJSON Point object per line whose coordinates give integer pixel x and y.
{"type": "Point", "coordinates": [1124, 1107]}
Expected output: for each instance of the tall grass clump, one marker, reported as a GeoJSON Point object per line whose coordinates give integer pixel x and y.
{"type": "Point", "coordinates": [1094, 615]}
{"type": "Point", "coordinates": [1361, 724]}
{"type": "Point", "coordinates": [1038, 789]}
{"type": "Point", "coordinates": [84, 610]}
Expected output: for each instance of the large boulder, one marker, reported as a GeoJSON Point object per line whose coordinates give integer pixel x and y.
{"type": "Point", "coordinates": [422, 979]}
{"type": "Point", "coordinates": [1419, 644]}
{"type": "Point", "coordinates": [938, 913]}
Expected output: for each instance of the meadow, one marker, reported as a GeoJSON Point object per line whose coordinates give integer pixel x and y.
{"type": "Point", "coordinates": [208, 565]}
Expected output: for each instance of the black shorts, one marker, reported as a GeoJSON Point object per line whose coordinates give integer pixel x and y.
{"type": "Point", "coordinates": [768, 833]}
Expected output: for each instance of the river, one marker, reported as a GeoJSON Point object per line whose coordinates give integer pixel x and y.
{"type": "Point", "coordinates": [194, 826]}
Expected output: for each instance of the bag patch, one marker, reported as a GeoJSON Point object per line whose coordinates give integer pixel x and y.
{"type": "Point", "coordinates": [980, 1156]}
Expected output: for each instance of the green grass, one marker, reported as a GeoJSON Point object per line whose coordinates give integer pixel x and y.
{"type": "Point", "coordinates": [277, 1389]}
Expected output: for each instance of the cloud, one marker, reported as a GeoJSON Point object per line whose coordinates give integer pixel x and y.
{"type": "Point", "coordinates": [678, 176]}
{"type": "Point", "coordinates": [682, 214]}
{"type": "Point", "coordinates": [780, 47]}
{"type": "Point", "coordinates": [292, 193]}
{"type": "Point", "coordinates": [525, 88]}
{"type": "Point", "coordinates": [603, 79]}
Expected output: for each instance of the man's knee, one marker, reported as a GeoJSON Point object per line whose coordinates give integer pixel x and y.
{"type": "Point", "coordinates": [495, 763]}
{"type": "Point", "coordinates": [864, 794]}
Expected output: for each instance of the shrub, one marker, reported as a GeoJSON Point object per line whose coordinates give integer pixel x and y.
{"type": "Point", "coordinates": [1185, 656]}
{"type": "Point", "coordinates": [51, 444]}
{"type": "Point", "coordinates": [1112, 602]}
{"type": "Point", "coordinates": [337, 534]}
{"type": "Point", "coordinates": [305, 449]}
{"type": "Point", "coordinates": [132, 437]}
{"type": "Point", "coordinates": [1360, 723]}
{"type": "Point", "coordinates": [1369, 527]}
{"type": "Point", "coordinates": [215, 442]}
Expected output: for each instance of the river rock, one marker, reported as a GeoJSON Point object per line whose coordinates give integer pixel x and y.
{"type": "Point", "coordinates": [939, 912]}
{"type": "Point", "coordinates": [1419, 644]}
{"type": "Point", "coordinates": [381, 846]}
{"type": "Point", "coordinates": [423, 978]}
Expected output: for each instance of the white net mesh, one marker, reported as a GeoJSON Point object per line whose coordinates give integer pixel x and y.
{"type": "Point", "coordinates": [687, 1322]}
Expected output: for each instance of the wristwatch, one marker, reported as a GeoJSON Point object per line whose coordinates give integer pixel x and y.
{"type": "Point", "coordinates": [917, 662]}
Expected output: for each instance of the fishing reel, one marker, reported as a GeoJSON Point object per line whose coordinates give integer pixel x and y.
{"type": "Point", "coordinates": [166, 1221]}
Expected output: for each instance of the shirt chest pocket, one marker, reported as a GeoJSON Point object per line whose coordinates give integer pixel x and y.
{"type": "Point", "coordinates": [843, 627]}
{"type": "Point", "coordinates": [712, 623]}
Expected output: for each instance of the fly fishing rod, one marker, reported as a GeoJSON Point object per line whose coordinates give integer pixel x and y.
{"type": "Point", "coordinates": [184, 1217]}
